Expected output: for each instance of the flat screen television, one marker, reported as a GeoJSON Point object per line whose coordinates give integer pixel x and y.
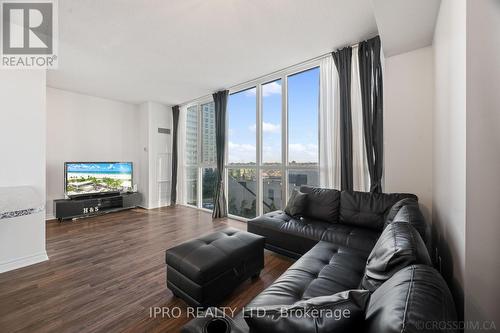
{"type": "Point", "coordinates": [90, 178]}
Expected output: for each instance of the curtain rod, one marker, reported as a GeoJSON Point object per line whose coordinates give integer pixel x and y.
{"type": "Point", "coordinates": [270, 74]}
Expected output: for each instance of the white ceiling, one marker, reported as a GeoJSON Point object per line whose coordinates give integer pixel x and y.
{"type": "Point", "coordinates": [405, 25]}
{"type": "Point", "coordinates": [172, 51]}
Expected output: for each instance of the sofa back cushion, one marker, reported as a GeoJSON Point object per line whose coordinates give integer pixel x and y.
{"type": "Point", "coordinates": [368, 210]}
{"type": "Point", "coordinates": [408, 210]}
{"type": "Point", "coordinates": [341, 312]}
{"type": "Point", "coordinates": [399, 246]}
{"type": "Point", "coordinates": [297, 204]}
{"type": "Point", "coordinates": [413, 216]}
{"type": "Point", "coordinates": [415, 299]}
{"type": "Point", "coordinates": [322, 203]}
{"type": "Point", "coordinates": [394, 210]}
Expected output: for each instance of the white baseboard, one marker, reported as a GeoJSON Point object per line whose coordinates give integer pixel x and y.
{"type": "Point", "coordinates": [154, 206]}
{"type": "Point", "coordinates": [23, 262]}
{"type": "Point", "coordinates": [49, 217]}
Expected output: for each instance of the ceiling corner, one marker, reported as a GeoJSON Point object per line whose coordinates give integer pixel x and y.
{"type": "Point", "coordinates": [405, 25]}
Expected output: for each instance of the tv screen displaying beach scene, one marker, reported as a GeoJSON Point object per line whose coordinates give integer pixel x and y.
{"type": "Point", "coordinates": [91, 178]}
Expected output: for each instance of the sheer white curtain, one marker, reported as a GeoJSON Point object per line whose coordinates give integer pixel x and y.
{"type": "Point", "coordinates": [329, 120]}
{"type": "Point", "coordinates": [181, 156]}
{"type": "Point", "coordinates": [329, 129]}
{"type": "Point", "coordinates": [361, 180]}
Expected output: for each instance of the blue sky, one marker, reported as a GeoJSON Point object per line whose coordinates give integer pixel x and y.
{"type": "Point", "coordinates": [303, 98]}
{"type": "Point", "coordinates": [100, 167]}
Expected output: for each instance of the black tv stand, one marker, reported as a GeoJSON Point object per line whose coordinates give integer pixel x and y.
{"type": "Point", "coordinates": [87, 206]}
{"type": "Point", "coordinates": [95, 196]}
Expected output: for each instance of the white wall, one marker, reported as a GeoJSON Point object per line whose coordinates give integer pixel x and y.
{"type": "Point", "coordinates": [143, 140]}
{"type": "Point", "coordinates": [155, 150]}
{"type": "Point", "coordinates": [22, 160]}
{"type": "Point", "coordinates": [87, 128]}
{"type": "Point", "coordinates": [449, 132]}
{"type": "Point", "coordinates": [483, 161]}
{"type": "Point", "coordinates": [408, 109]}
{"type": "Point", "coordinates": [454, 169]}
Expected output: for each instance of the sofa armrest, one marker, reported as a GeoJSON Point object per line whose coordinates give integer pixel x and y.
{"type": "Point", "coordinates": [408, 210]}
{"type": "Point", "coordinates": [214, 320]}
{"type": "Point", "coordinates": [394, 210]}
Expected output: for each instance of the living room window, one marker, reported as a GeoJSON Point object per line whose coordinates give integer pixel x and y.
{"type": "Point", "coordinates": [208, 187]}
{"type": "Point", "coordinates": [272, 115]}
{"type": "Point", "coordinates": [192, 155]}
{"type": "Point", "coordinates": [208, 133]}
{"type": "Point", "coordinates": [272, 146]}
{"type": "Point", "coordinates": [200, 155]}
{"type": "Point", "coordinates": [242, 153]}
{"type": "Point", "coordinates": [266, 160]}
{"type": "Point", "coordinates": [272, 143]}
{"type": "Point", "coordinates": [208, 168]}
{"type": "Point", "coordinates": [303, 132]}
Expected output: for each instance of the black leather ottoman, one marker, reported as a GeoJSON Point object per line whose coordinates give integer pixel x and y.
{"type": "Point", "coordinates": [205, 270]}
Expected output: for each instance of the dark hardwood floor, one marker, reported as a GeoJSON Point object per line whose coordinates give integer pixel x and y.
{"type": "Point", "coordinates": [106, 272]}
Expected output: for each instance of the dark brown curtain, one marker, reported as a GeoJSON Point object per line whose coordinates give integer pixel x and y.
{"type": "Point", "coordinates": [175, 117]}
{"type": "Point", "coordinates": [370, 72]}
{"type": "Point", "coordinates": [342, 60]}
{"type": "Point", "coordinates": [220, 101]}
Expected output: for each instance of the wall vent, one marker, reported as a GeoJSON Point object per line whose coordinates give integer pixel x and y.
{"type": "Point", "coordinates": [163, 130]}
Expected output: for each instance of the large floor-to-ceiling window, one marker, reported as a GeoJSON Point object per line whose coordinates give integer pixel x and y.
{"type": "Point", "coordinates": [272, 141]}
{"type": "Point", "coordinates": [200, 155]}
{"type": "Point", "coordinates": [242, 153]}
{"type": "Point", "coordinates": [208, 152]}
{"type": "Point", "coordinates": [303, 133]}
{"type": "Point", "coordinates": [272, 145]}
{"type": "Point", "coordinates": [192, 145]}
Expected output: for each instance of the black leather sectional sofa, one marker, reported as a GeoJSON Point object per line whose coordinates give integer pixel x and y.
{"type": "Point", "coordinates": [377, 243]}
{"type": "Point", "coordinates": [348, 219]}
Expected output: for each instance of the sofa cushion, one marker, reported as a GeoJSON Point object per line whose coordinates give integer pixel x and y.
{"type": "Point", "coordinates": [325, 270]}
{"type": "Point", "coordinates": [414, 297]}
{"type": "Point", "coordinates": [297, 204]}
{"type": "Point", "coordinates": [322, 314]}
{"type": "Point", "coordinates": [299, 235]}
{"type": "Point", "coordinates": [362, 239]}
{"type": "Point", "coordinates": [399, 246]}
{"type": "Point", "coordinates": [323, 203]}
{"type": "Point", "coordinates": [369, 210]}
{"type": "Point", "coordinates": [283, 233]}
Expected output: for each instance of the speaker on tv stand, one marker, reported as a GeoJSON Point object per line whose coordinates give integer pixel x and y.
{"type": "Point", "coordinates": [65, 209]}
